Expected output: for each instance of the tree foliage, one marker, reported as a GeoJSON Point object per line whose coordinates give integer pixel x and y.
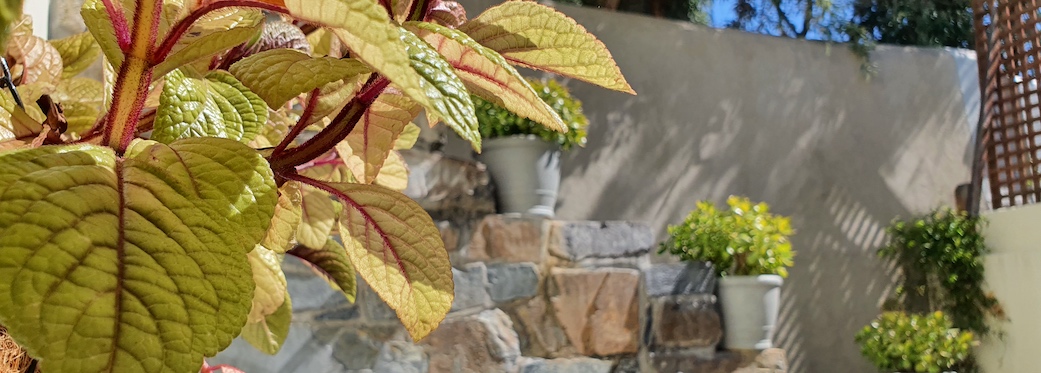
{"type": "Point", "coordinates": [931, 23]}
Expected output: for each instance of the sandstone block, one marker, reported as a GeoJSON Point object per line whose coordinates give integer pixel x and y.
{"type": "Point", "coordinates": [684, 321]}
{"type": "Point", "coordinates": [540, 334]}
{"type": "Point", "coordinates": [501, 238]}
{"type": "Point", "coordinates": [448, 187]}
{"type": "Point", "coordinates": [449, 235]}
{"type": "Point", "coordinates": [597, 308]}
{"type": "Point", "coordinates": [485, 343]}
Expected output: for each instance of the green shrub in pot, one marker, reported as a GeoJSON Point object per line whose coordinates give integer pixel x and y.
{"type": "Point", "coordinates": [523, 155]}
{"type": "Point", "coordinates": [901, 342]}
{"type": "Point", "coordinates": [496, 122]}
{"type": "Point", "coordinates": [743, 240]}
{"type": "Point", "coordinates": [749, 249]}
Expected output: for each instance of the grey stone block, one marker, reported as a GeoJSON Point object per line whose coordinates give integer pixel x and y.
{"type": "Point", "coordinates": [342, 313]}
{"type": "Point", "coordinates": [679, 279]}
{"type": "Point", "coordinates": [310, 292]}
{"type": "Point", "coordinates": [471, 287]}
{"type": "Point", "coordinates": [511, 281]}
{"type": "Point", "coordinates": [360, 348]}
{"type": "Point", "coordinates": [587, 239]}
{"type": "Point", "coordinates": [570, 365]}
{"type": "Point", "coordinates": [372, 306]}
{"type": "Point", "coordinates": [696, 361]}
{"type": "Point", "coordinates": [627, 365]}
{"type": "Point", "coordinates": [243, 356]}
{"type": "Point", "coordinates": [401, 357]}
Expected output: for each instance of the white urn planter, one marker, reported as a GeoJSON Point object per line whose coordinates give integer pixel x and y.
{"type": "Point", "coordinates": [526, 173]}
{"type": "Point", "coordinates": [750, 307]}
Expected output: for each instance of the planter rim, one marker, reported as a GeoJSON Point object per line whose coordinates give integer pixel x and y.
{"type": "Point", "coordinates": [517, 141]}
{"type": "Point", "coordinates": [775, 280]}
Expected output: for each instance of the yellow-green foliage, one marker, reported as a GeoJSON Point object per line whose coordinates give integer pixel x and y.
{"type": "Point", "coordinates": [495, 121]}
{"type": "Point", "coordinates": [896, 341]}
{"type": "Point", "coordinates": [745, 239]}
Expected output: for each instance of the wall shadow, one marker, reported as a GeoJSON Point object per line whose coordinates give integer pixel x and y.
{"type": "Point", "coordinates": [791, 123]}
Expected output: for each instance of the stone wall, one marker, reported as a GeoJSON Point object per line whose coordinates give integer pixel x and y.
{"type": "Point", "coordinates": [532, 296]}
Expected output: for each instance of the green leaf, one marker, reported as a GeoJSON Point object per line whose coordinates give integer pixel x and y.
{"type": "Point", "coordinates": [278, 75]}
{"type": "Point", "coordinates": [215, 32]}
{"type": "Point", "coordinates": [77, 52]}
{"type": "Point", "coordinates": [270, 291]}
{"type": "Point", "coordinates": [365, 28]}
{"type": "Point", "coordinates": [366, 148]}
{"type": "Point", "coordinates": [536, 36]}
{"type": "Point", "coordinates": [317, 218]}
{"type": "Point", "coordinates": [100, 26]}
{"type": "Point", "coordinates": [82, 102]}
{"type": "Point", "coordinates": [487, 74]}
{"type": "Point", "coordinates": [15, 123]}
{"type": "Point", "coordinates": [331, 262]}
{"type": "Point", "coordinates": [10, 11]}
{"type": "Point", "coordinates": [287, 217]}
{"type": "Point", "coordinates": [40, 62]}
{"type": "Point", "coordinates": [334, 96]}
{"type": "Point", "coordinates": [276, 128]}
{"type": "Point", "coordinates": [135, 264]}
{"type": "Point", "coordinates": [449, 99]}
{"type": "Point", "coordinates": [396, 248]}
{"type": "Point", "coordinates": [394, 173]}
{"type": "Point", "coordinates": [218, 106]}
{"type": "Point", "coordinates": [408, 137]}
{"type": "Point", "coordinates": [329, 168]}
{"type": "Point", "coordinates": [269, 334]}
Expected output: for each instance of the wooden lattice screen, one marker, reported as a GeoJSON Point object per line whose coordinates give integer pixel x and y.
{"type": "Point", "coordinates": [1008, 152]}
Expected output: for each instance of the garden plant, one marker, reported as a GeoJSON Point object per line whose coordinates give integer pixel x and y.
{"type": "Point", "coordinates": [495, 121]}
{"type": "Point", "coordinates": [743, 240]}
{"type": "Point", "coordinates": [144, 217]}
{"type": "Point", "coordinates": [901, 342]}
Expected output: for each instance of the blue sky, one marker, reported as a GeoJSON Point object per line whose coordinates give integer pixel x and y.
{"type": "Point", "coordinates": [722, 11]}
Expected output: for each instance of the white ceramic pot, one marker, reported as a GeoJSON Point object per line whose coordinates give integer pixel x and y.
{"type": "Point", "coordinates": [750, 306]}
{"type": "Point", "coordinates": [526, 172]}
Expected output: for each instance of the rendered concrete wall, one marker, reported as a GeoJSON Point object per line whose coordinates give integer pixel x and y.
{"type": "Point", "coordinates": [1013, 272]}
{"type": "Point", "coordinates": [791, 123]}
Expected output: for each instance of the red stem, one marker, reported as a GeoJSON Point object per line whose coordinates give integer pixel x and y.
{"type": "Point", "coordinates": [386, 5]}
{"type": "Point", "coordinates": [419, 10]}
{"type": "Point", "coordinates": [119, 23]}
{"type": "Point", "coordinates": [178, 30]}
{"type": "Point", "coordinates": [312, 101]}
{"type": "Point", "coordinates": [346, 200]}
{"type": "Point", "coordinates": [336, 131]}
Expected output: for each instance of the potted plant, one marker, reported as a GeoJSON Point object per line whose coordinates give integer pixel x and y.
{"type": "Point", "coordinates": [901, 342]}
{"type": "Point", "coordinates": [144, 218]}
{"type": "Point", "coordinates": [749, 249]}
{"type": "Point", "coordinates": [522, 155]}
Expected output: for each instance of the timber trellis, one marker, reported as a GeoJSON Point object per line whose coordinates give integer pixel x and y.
{"type": "Point", "coordinates": [1008, 141]}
